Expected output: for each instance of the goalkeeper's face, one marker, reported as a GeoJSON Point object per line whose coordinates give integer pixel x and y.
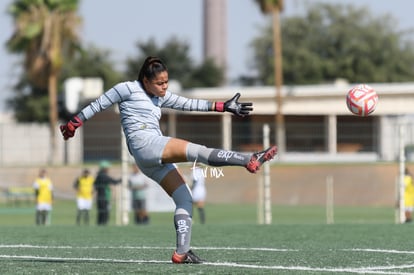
{"type": "Point", "coordinates": [157, 86]}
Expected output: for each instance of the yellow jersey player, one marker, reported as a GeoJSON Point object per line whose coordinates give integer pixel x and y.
{"type": "Point", "coordinates": [408, 196]}
{"type": "Point", "coordinates": [44, 196]}
{"type": "Point", "coordinates": [84, 195]}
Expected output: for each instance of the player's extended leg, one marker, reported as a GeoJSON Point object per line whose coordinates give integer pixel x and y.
{"type": "Point", "coordinates": [178, 150]}
{"type": "Point", "coordinates": [174, 184]}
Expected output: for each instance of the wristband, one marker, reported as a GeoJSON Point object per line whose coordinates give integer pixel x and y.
{"type": "Point", "coordinates": [220, 106]}
{"type": "Point", "coordinates": [76, 122]}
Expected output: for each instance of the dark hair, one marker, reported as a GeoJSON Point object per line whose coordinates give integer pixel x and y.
{"type": "Point", "coordinates": [151, 67]}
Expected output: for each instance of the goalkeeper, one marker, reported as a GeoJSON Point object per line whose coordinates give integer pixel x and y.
{"type": "Point", "coordinates": [140, 104]}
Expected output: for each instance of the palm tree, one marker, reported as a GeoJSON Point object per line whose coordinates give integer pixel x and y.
{"type": "Point", "coordinates": [274, 7]}
{"type": "Point", "coordinates": [45, 32]}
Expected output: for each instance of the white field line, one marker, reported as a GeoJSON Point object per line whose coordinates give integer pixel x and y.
{"type": "Point", "coordinates": [390, 251]}
{"type": "Point", "coordinates": [144, 247]}
{"type": "Point", "coordinates": [357, 270]}
{"type": "Point", "coordinates": [83, 259]}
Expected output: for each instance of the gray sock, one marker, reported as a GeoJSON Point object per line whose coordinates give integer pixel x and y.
{"type": "Point", "coordinates": [216, 157]}
{"type": "Point", "coordinates": [182, 218]}
{"type": "Point", "coordinates": [182, 224]}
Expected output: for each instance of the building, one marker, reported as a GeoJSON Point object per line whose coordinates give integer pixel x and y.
{"type": "Point", "coordinates": [318, 127]}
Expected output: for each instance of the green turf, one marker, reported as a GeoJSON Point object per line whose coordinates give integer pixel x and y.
{"type": "Point", "coordinates": [230, 249]}
{"type": "Point", "coordinates": [64, 212]}
{"type": "Point", "coordinates": [362, 241]}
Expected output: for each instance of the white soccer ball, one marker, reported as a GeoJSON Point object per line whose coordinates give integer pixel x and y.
{"type": "Point", "coordinates": [362, 100]}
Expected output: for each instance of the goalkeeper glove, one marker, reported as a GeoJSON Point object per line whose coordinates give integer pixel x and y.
{"type": "Point", "coordinates": [235, 107]}
{"type": "Point", "coordinates": [68, 130]}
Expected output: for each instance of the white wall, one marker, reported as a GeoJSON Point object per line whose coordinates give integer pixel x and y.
{"type": "Point", "coordinates": [29, 144]}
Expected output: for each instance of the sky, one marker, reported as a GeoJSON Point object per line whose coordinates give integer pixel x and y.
{"type": "Point", "coordinates": [117, 25]}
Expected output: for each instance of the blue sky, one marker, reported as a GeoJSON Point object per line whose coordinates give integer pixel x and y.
{"type": "Point", "coordinates": [117, 25]}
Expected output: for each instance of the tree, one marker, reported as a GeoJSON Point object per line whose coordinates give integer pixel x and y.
{"type": "Point", "coordinates": [30, 104]}
{"type": "Point", "coordinates": [337, 41]}
{"type": "Point", "coordinates": [45, 32]}
{"type": "Point", "coordinates": [180, 65]}
{"type": "Point", "coordinates": [90, 61]}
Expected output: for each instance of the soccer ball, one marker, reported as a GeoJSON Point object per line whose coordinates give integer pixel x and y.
{"type": "Point", "coordinates": [362, 100]}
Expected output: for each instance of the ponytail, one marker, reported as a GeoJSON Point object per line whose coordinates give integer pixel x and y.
{"type": "Point", "coordinates": [151, 67]}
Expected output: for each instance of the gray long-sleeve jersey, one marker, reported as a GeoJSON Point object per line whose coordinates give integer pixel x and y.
{"type": "Point", "coordinates": [138, 110]}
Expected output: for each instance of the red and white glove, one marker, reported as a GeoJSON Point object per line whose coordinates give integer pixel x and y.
{"type": "Point", "coordinates": [235, 107]}
{"type": "Point", "coordinates": [68, 130]}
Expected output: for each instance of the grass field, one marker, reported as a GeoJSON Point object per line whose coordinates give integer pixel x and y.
{"type": "Point", "coordinates": [362, 241]}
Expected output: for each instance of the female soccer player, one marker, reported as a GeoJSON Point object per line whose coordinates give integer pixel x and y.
{"type": "Point", "coordinates": [140, 104]}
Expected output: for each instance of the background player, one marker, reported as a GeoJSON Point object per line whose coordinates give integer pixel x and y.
{"type": "Point", "coordinates": [44, 197]}
{"type": "Point", "coordinates": [138, 183]}
{"type": "Point", "coordinates": [198, 190]}
{"type": "Point", "coordinates": [408, 196]}
{"type": "Point", "coordinates": [84, 195]}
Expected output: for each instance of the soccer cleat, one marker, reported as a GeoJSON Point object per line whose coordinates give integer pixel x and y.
{"type": "Point", "coordinates": [259, 158]}
{"type": "Point", "coordinates": [187, 258]}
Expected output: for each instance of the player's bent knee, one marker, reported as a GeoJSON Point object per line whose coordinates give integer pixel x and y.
{"type": "Point", "coordinates": [197, 152]}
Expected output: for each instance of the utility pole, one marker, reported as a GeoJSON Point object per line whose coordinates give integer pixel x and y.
{"type": "Point", "coordinates": [277, 44]}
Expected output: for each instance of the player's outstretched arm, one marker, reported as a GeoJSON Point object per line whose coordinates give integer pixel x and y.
{"type": "Point", "coordinates": [68, 129]}
{"type": "Point", "coordinates": [233, 106]}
